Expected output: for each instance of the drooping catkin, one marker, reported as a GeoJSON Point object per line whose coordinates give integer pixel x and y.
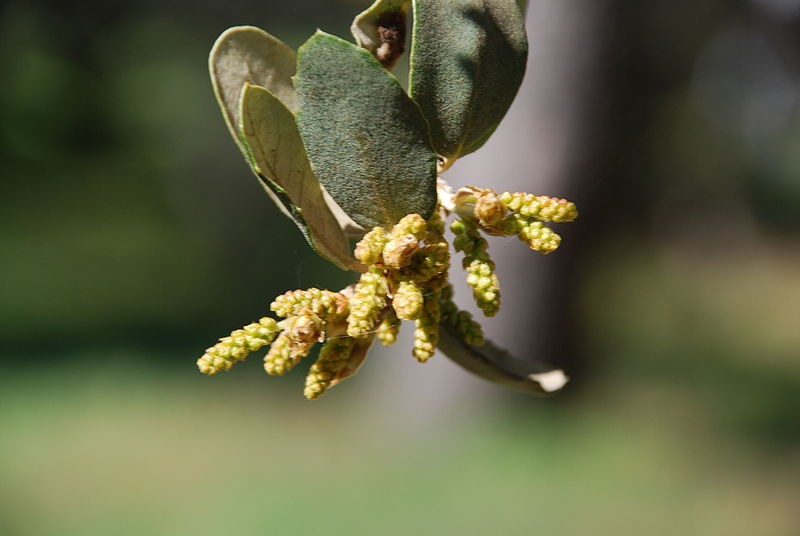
{"type": "Point", "coordinates": [236, 347]}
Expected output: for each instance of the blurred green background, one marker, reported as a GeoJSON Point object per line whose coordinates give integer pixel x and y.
{"type": "Point", "coordinates": [133, 236]}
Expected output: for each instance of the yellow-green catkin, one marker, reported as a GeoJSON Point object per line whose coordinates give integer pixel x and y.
{"type": "Point", "coordinates": [236, 347]}
{"type": "Point", "coordinates": [324, 304]}
{"type": "Point", "coordinates": [411, 224]}
{"type": "Point", "coordinates": [404, 241]}
{"type": "Point", "coordinates": [369, 249]}
{"type": "Point", "coordinates": [367, 303]}
{"type": "Point", "coordinates": [433, 259]}
{"type": "Point", "coordinates": [538, 236]}
{"type": "Point", "coordinates": [461, 321]}
{"type": "Point", "coordinates": [426, 332]}
{"type": "Point", "coordinates": [480, 269]}
{"type": "Point", "coordinates": [299, 335]}
{"type": "Point", "coordinates": [407, 300]}
{"type": "Point", "coordinates": [389, 328]}
{"type": "Point", "coordinates": [333, 357]}
{"type": "Point", "coordinates": [539, 207]}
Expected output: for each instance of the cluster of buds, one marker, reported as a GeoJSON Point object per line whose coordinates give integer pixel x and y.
{"type": "Point", "coordinates": [515, 213]}
{"type": "Point", "coordinates": [312, 316]}
{"type": "Point", "coordinates": [508, 214]}
{"type": "Point", "coordinates": [405, 277]}
{"type": "Point", "coordinates": [407, 269]}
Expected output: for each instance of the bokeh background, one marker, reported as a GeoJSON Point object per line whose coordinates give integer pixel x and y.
{"type": "Point", "coordinates": [132, 236]}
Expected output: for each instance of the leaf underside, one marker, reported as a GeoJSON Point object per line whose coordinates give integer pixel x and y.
{"type": "Point", "coordinates": [467, 62]}
{"type": "Point", "coordinates": [497, 365]}
{"type": "Point", "coordinates": [245, 55]}
{"type": "Point", "coordinates": [269, 129]}
{"type": "Point", "coordinates": [366, 139]}
{"type": "Point", "coordinates": [248, 54]}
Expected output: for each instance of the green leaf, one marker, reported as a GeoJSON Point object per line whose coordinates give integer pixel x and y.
{"type": "Point", "coordinates": [497, 365]}
{"type": "Point", "coordinates": [270, 132]}
{"type": "Point", "coordinates": [367, 140]}
{"type": "Point", "coordinates": [381, 29]}
{"type": "Point", "coordinates": [467, 62]}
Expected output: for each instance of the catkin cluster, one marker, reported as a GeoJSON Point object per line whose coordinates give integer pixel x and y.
{"type": "Point", "coordinates": [405, 278]}
{"type": "Point", "coordinates": [310, 316]}
{"type": "Point", "coordinates": [516, 213]}
{"type": "Point", "coordinates": [529, 213]}
{"type": "Point", "coordinates": [407, 269]}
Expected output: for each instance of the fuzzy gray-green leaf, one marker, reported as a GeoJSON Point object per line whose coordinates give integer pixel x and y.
{"type": "Point", "coordinates": [496, 365]}
{"type": "Point", "coordinates": [270, 132]}
{"type": "Point", "coordinates": [467, 63]}
{"type": "Point", "coordinates": [367, 140]}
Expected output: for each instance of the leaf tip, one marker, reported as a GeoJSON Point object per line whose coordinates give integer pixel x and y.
{"type": "Point", "coordinates": [550, 381]}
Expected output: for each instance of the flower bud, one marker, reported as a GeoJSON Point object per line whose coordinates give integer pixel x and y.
{"type": "Point", "coordinates": [412, 224]}
{"type": "Point", "coordinates": [398, 251]}
{"type": "Point", "coordinates": [488, 208]}
{"type": "Point", "coordinates": [369, 249]}
{"type": "Point", "coordinates": [300, 334]}
{"type": "Point", "coordinates": [540, 207]}
{"type": "Point", "coordinates": [426, 332]}
{"type": "Point", "coordinates": [389, 328]}
{"type": "Point", "coordinates": [367, 303]}
{"type": "Point", "coordinates": [324, 304]}
{"type": "Point", "coordinates": [332, 358]}
{"type": "Point", "coordinates": [480, 269]}
{"type": "Point", "coordinates": [538, 237]}
{"type": "Point", "coordinates": [407, 301]}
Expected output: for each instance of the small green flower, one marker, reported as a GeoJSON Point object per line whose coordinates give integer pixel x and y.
{"type": "Point", "coordinates": [433, 259]}
{"type": "Point", "coordinates": [404, 241]}
{"type": "Point", "coordinates": [299, 335]}
{"type": "Point", "coordinates": [426, 332]}
{"type": "Point", "coordinates": [407, 301]}
{"type": "Point", "coordinates": [368, 302]}
{"type": "Point", "coordinates": [369, 249]}
{"type": "Point", "coordinates": [333, 358]}
{"type": "Point", "coordinates": [462, 321]}
{"type": "Point", "coordinates": [538, 236]}
{"type": "Point", "coordinates": [389, 328]}
{"type": "Point", "coordinates": [540, 207]}
{"type": "Point", "coordinates": [324, 304]}
{"type": "Point", "coordinates": [411, 224]}
{"type": "Point", "coordinates": [480, 269]}
{"type": "Point", "coordinates": [230, 350]}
